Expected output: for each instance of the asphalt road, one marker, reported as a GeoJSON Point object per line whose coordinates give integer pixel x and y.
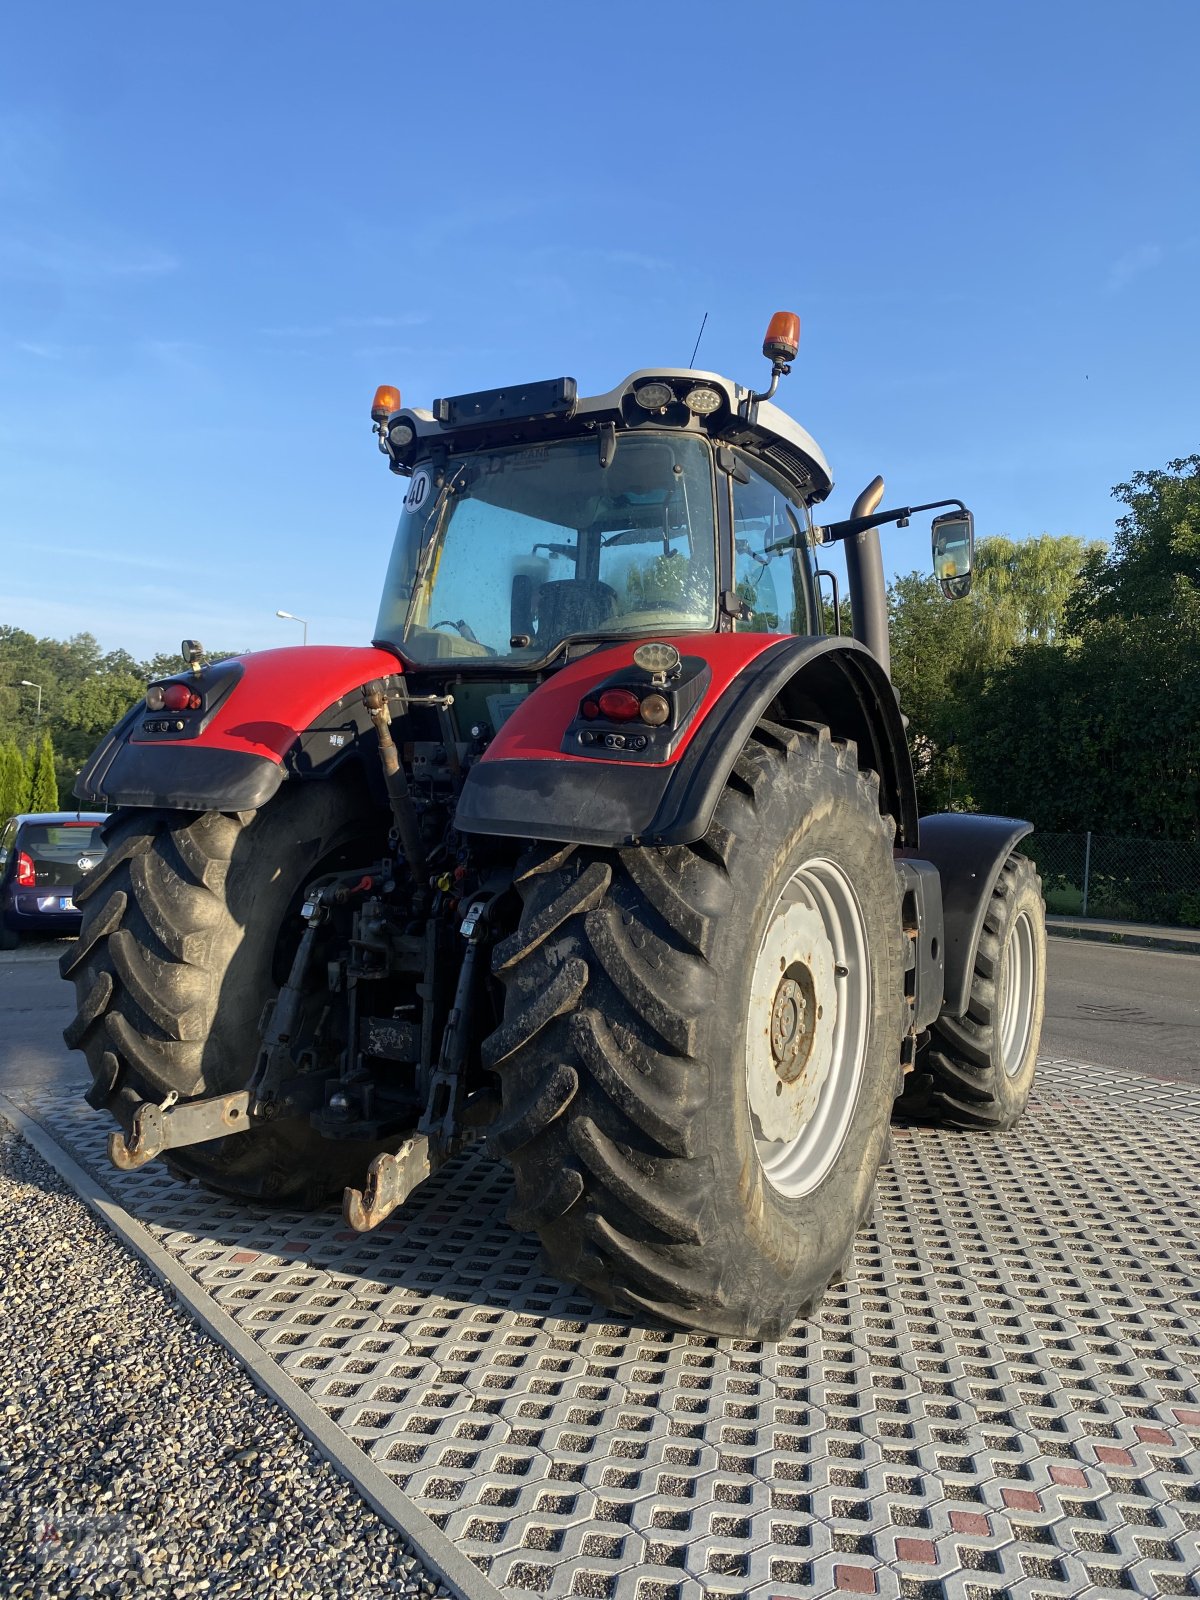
{"type": "Point", "coordinates": [35, 1007]}
{"type": "Point", "coordinates": [1133, 1010]}
{"type": "Point", "coordinates": [1117, 1006]}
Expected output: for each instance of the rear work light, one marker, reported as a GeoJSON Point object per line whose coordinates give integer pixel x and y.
{"type": "Point", "coordinates": [26, 875]}
{"type": "Point", "coordinates": [703, 400]}
{"type": "Point", "coordinates": [654, 396]}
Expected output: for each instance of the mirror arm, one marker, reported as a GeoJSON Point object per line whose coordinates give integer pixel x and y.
{"type": "Point", "coordinates": [834, 531]}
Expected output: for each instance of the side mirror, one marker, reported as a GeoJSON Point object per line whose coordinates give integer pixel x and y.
{"type": "Point", "coordinates": [954, 552]}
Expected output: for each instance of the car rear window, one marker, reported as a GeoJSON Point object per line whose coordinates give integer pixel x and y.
{"type": "Point", "coordinates": [61, 852]}
{"type": "Point", "coordinates": [60, 841]}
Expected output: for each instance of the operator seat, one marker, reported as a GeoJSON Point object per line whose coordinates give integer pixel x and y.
{"type": "Point", "coordinates": [572, 605]}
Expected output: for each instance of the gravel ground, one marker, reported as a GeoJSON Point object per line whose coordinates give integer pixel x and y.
{"type": "Point", "coordinates": [136, 1457]}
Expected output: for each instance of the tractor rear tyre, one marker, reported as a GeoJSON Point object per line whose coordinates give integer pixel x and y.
{"type": "Point", "coordinates": [700, 1046]}
{"type": "Point", "coordinates": [189, 926]}
{"type": "Point", "coordinates": [978, 1069]}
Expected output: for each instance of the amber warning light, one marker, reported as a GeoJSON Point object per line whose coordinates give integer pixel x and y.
{"type": "Point", "coordinates": [783, 337]}
{"type": "Point", "coordinates": [387, 400]}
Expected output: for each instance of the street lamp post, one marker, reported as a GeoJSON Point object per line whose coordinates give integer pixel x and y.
{"type": "Point", "coordinates": [37, 716]}
{"type": "Point", "coordinates": [292, 617]}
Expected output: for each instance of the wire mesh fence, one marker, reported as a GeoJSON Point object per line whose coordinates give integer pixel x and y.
{"type": "Point", "coordinates": [1125, 880]}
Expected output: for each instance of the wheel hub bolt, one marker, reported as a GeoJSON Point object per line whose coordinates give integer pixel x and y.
{"type": "Point", "coordinates": [785, 1018]}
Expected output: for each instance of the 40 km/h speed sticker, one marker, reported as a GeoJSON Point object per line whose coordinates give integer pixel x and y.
{"type": "Point", "coordinates": [418, 492]}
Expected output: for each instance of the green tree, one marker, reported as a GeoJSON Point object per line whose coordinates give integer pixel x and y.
{"type": "Point", "coordinates": [1105, 733]}
{"type": "Point", "coordinates": [1151, 574]}
{"type": "Point", "coordinates": [943, 652]}
{"type": "Point", "coordinates": [1023, 588]}
{"type": "Point", "coordinates": [13, 780]}
{"type": "Point", "coordinates": [43, 786]}
{"type": "Point", "coordinates": [933, 668]}
{"type": "Point", "coordinates": [87, 714]}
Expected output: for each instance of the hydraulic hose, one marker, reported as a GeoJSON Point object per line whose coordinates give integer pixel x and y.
{"type": "Point", "coordinates": [397, 784]}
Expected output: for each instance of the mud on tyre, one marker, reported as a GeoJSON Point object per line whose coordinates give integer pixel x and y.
{"type": "Point", "coordinates": [186, 933]}
{"type": "Point", "coordinates": [651, 1148]}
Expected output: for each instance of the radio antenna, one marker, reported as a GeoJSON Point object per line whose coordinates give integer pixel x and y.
{"type": "Point", "coordinates": [699, 336]}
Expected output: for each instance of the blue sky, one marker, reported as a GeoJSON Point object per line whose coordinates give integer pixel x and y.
{"type": "Point", "coordinates": [221, 226]}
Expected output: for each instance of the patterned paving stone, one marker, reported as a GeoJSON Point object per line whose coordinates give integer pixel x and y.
{"type": "Point", "coordinates": [1006, 1401]}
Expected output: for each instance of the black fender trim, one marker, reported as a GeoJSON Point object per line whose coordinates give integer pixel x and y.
{"type": "Point", "coordinates": [187, 777]}
{"type": "Point", "coordinates": [199, 777]}
{"type": "Point", "coordinates": [968, 852]}
{"type": "Point", "coordinates": [835, 681]}
{"type": "Point", "coordinates": [569, 802]}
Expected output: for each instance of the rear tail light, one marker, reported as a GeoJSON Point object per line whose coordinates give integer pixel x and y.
{"type": "Point", "coordinates": [178, 697]}
{"type": "Point", "coordinates": [26, 874]}
{"type": "Point", "coordinates": [622, 705]}
{"type": "Point", "coordinates": [172, 697]}
{"type": "Point", "coordinates": [627, 705]}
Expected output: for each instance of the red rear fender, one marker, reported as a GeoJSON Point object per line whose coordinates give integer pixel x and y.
{"type": "Point", "coordinates": [535, 730]}
{"type": "Point", "coordinates": [536, 780]}
{"type": "Point", "coordinates": [229, 754]}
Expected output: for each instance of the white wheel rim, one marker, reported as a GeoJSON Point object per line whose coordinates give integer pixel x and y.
{"type": "Point", "coordinates": [807, 1027]}
{"type": "Point", "coordinates": [1016, 1000]}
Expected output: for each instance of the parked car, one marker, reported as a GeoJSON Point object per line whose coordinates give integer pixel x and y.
{"type": "Point", "coordinates": [43, 855]}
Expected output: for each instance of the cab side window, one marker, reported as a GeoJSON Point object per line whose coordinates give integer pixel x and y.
{"type": "Point", "coordinates": [770, 581]}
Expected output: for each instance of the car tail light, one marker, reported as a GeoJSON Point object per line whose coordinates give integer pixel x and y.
{"type": "Point", "coordinates": [26, 874]}
{"type": "Point", "coordinates": [622, 705]}
{"type": "Point", "coordinates": [590, 710]}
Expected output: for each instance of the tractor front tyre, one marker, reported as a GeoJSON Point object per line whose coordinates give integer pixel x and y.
{"type": "Point", "coordinates": [978, 1069]}
{"type": "Point", "coordinates": [188, 929]}
{"type": "Point", "coordinates": [700, 1046]}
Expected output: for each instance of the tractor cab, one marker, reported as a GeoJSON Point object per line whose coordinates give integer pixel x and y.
{"type": "Point", "coordinates": [678, 502]}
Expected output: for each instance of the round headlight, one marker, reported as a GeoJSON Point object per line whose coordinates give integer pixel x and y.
{"type": "Point", "coordinates": [656, 657]}
{"type": "Point", "coordinates": [703, 400]}
{"type": "Point", "coordinates": [155, 697]}
{"type": "Point", "coordinates": [401, 434]}
{"type": "Point", "coordinates": [655, 709]}
{"type": "Point", "coordinates": [654, 396]}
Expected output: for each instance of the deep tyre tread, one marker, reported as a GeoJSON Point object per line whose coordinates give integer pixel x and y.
{"type": "Point", "coordinates": [174, 961]}
{"type": "Point", "coordinates": [620, 1056]}
{"type": "Point", "coordinates": [960, 1080]}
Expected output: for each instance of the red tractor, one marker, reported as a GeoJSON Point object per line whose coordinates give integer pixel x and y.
{"type": "Point", "coordinates": [605, 852]}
